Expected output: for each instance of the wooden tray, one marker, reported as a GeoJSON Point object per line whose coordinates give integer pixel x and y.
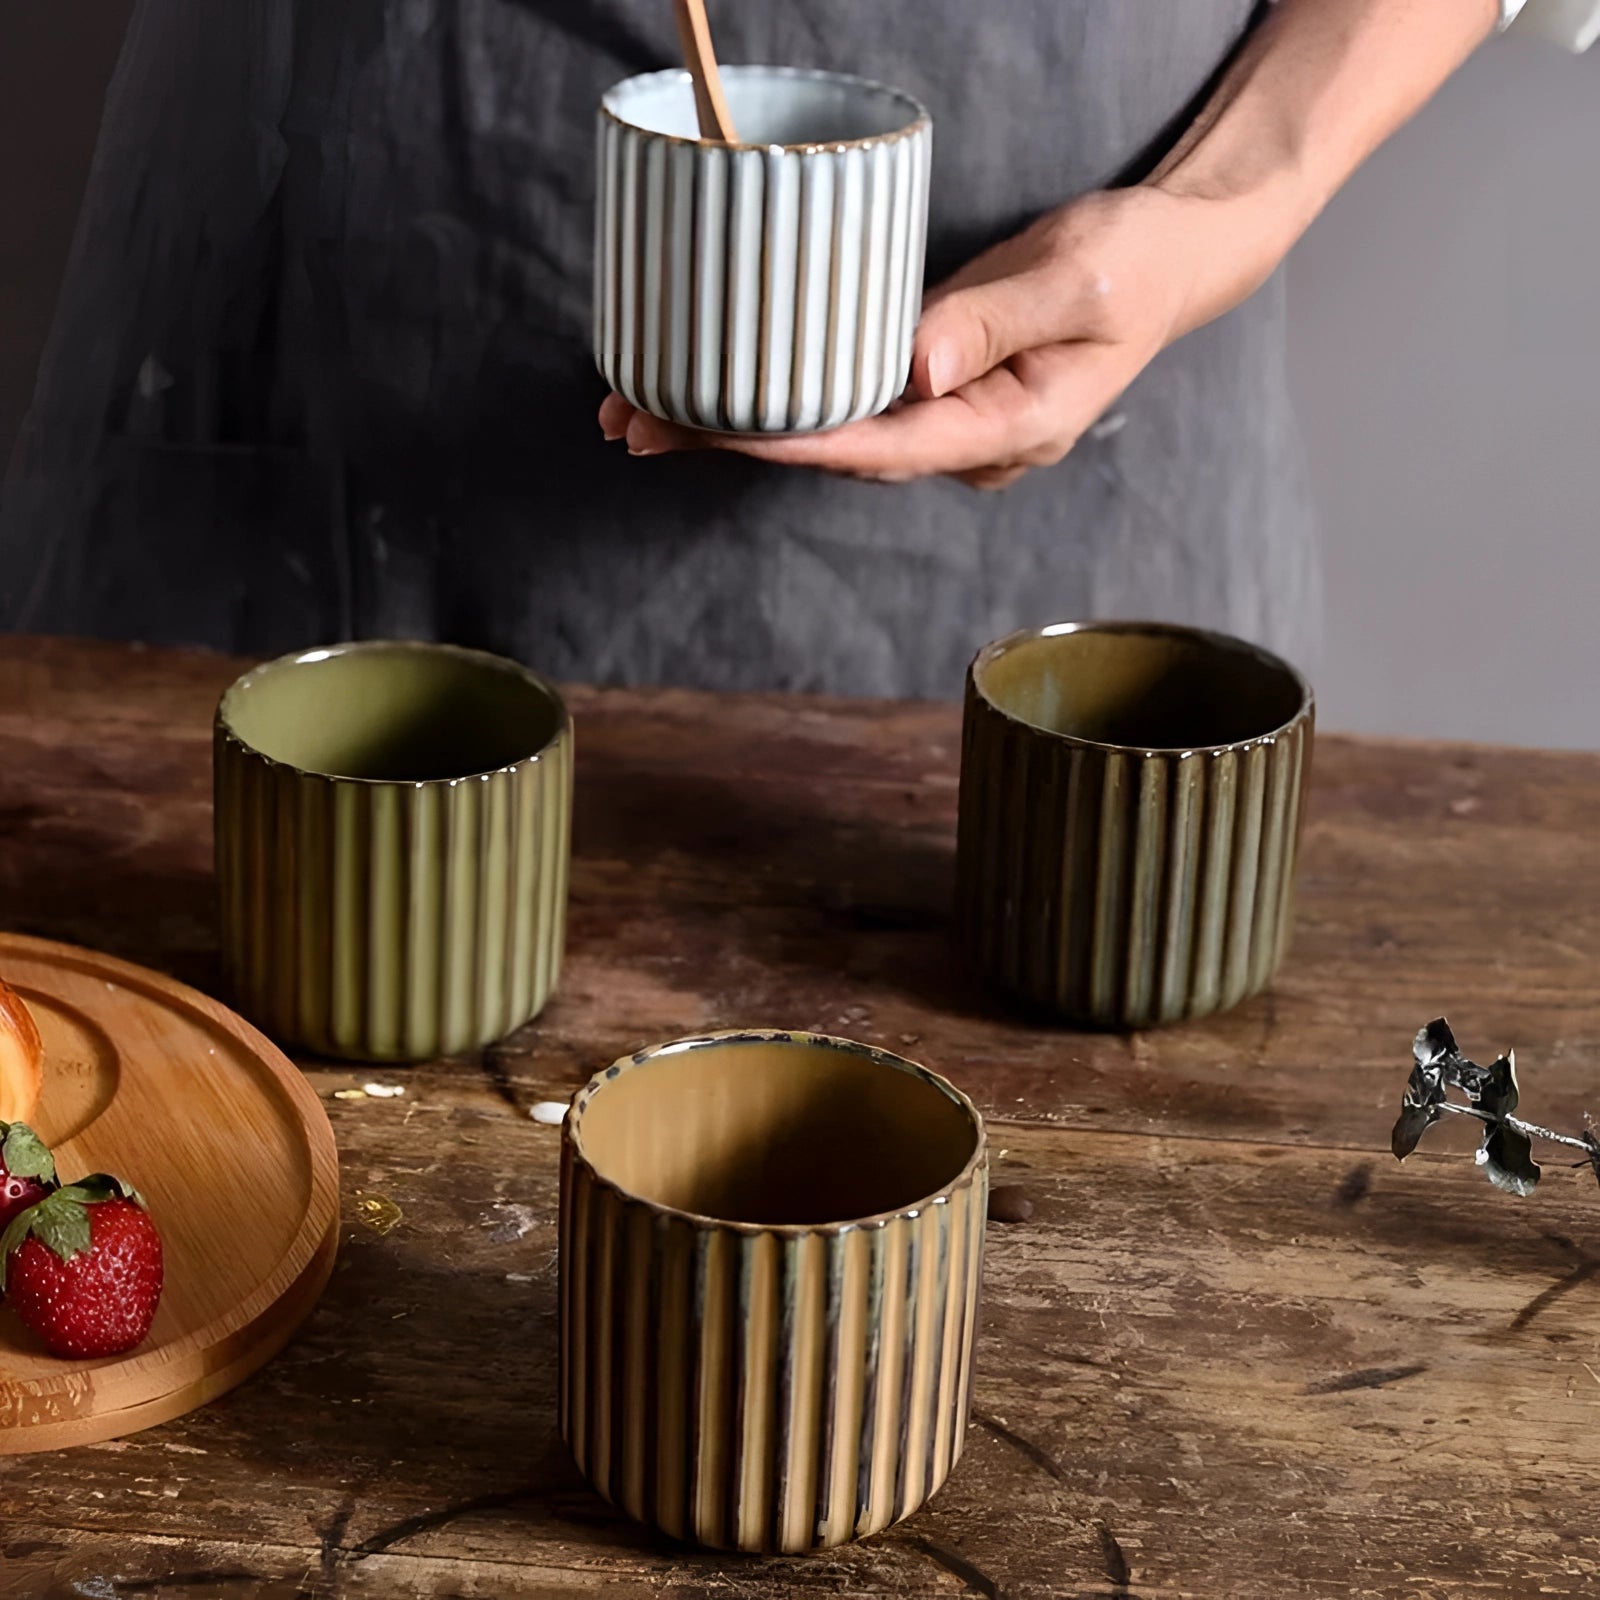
{"type": "Point", "coordinates": [151, 1080]}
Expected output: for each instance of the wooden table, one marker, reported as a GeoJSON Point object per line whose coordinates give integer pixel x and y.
{"type": "Point", "coordinates": [1237, 1351]}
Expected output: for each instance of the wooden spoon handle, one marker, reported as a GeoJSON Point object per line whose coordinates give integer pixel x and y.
{"type": "Point", "coordinates": [716, 121]}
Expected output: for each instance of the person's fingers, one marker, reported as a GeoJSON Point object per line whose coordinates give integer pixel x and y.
{"type": "Point", "coordinates": [1047, 286]}
{"type": "Point", "coordinates": [971, 331]}
{"type": "Point", "coordinates": [994, 478]}
{"type": "Point", "coordinates": [1073, 385]}
{"type": "Point", "coordinates": [1027, 412]}
{"type": "Point", "coordinates": [651, 436]}
{"type": "Point", "coordinates": [615, 415]}
{"type": "Point", "coordinates": [960, 432]}
{"type": "Point", "coordinates": [917, 441]}
{"type": "Point", "coordinates": [1021, 413]}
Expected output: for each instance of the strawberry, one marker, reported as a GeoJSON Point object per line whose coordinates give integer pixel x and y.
{"type": "Point", "coordinates": [27, 1170]}
{"type": "Point", "coordinates": [83, 1268]}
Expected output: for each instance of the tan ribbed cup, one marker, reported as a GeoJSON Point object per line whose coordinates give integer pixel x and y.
{"type": "Point", "coordinates": [770, 1255]}
{"type": "Point", "coordinates": [392, 841]}
{"type": "Point", "coordinates": [1131, 800]}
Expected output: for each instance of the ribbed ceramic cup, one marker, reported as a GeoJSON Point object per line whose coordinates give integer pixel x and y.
{"type": "Point", "coordinates": [392, 839]}
{"type": "Point", "coordinates": [768, 287]}
{"type": "Point", "coordinates": [1131, 800]}
{"type": "Point", "coordinates": [771, 1246]}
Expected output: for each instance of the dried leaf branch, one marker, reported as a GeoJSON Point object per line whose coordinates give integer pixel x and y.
{"type": "Point", "coordinates": [1506, 1154]}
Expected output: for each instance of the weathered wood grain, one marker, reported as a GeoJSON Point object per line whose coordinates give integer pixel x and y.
{"type": "Point", "coordinates": [1234, 1351]}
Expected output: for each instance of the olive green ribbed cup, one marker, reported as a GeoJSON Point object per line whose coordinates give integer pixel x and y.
{"type": "Point", "coordinates": [393, 827]}
{"type": "Point", "coordinates": [1131, 804]}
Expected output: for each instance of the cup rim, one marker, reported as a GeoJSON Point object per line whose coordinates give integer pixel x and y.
{"type": "Point", "coordinates": [317, 653]}
{"type": "Point", "coordinates": [921, 119]}
{"type": "Point", "coordinates": [572, 1131]}
{"type": "Point", "coordinates": [1207, 636]}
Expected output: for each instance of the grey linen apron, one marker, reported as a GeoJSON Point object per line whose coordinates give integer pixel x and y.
{"type": "Point", "coordinates": [321, 366]}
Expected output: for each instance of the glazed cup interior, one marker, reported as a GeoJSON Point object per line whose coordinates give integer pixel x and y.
{"type": "Point", "coordinates": [776, 1130]}
{"type": "Point", "coordinates": [770, 105]}
{"type": "Point", "coordinates": [393, 713]}
{"type": "Point", "coordinates": [1141, 686]}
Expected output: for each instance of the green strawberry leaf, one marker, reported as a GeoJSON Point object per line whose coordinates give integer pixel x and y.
{"type": "Point", "coordinates": [61, 1222]}
{"type": "Point", "coordinates": [100, 1186]}
{"type": "Point", "coordinates": [26, 1155]}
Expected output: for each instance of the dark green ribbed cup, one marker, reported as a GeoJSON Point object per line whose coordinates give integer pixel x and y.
{"type": "Point", "coordinates": [1131, 805]}
{"type": "Point", "coordinates": [393, 826]}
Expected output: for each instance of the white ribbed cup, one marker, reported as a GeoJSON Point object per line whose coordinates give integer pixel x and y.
{"type": "Point", "coordinates": [766, 287]}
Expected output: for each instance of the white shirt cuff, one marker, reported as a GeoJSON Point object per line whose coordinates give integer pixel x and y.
{"type": "Point", "coordinates": [1573, 23]}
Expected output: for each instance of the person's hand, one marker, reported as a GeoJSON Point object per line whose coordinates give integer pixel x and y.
{"type": "Point", "coordinates": [1024, 349]}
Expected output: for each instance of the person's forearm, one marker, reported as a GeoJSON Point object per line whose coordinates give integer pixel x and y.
{"type": "Point", "coordinates": [1029, 344]}
{"type": "Point", "coordinates": [1312, 93]}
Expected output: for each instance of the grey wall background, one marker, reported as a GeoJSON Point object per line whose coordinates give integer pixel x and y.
{"type": "Point", "coordinates": [1446, 359]}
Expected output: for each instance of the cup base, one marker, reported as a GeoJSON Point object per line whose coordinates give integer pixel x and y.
{"type": "Point", "coordinates": [759, 433]}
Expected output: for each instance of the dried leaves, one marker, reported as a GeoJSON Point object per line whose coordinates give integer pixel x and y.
{"type": "Point", "coordinates": [1425, 1089]}
{"type": "Point", "coordinates": [1506, 1154]}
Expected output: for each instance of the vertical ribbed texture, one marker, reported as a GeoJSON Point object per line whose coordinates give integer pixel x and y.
{"type": "Point", "coordinates": [759, 290]}
{"type": "Point", "coordinates": [392, 921]}
{"type": "Point", "coordinates": [1122, 888]}
{"type": "Point", "coordinates": [766, 1390]}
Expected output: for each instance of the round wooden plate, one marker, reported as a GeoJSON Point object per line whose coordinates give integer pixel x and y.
{"type": "Point", "coordinates": [227, 1141]}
